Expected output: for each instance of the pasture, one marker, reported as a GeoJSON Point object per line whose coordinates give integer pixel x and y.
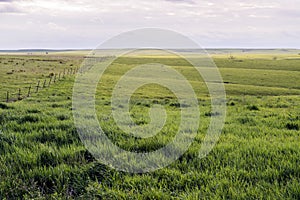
{"type": "Point", "coordinates": [256, 157]}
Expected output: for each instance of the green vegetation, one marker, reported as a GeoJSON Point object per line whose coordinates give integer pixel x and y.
{"type": "Point", "coordinates": [22, 71]}
{"type": "Point", "coordinates": [256, 157]}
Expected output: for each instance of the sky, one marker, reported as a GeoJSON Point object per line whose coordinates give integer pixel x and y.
{"type": "Point", "coordinates": [84, 24]}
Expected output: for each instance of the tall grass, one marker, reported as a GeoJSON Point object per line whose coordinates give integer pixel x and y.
{"type": "Point", "coordinates": [256, 157]}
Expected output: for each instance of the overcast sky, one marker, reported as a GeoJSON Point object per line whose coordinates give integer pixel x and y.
{"type": "Point", "coordinates": [87, 23]}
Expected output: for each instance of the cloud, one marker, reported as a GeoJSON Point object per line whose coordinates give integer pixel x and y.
{"type": "Point", "coordinates": [181, 1]}
{"type": "Point", "coordinates": [78, 23]}
{"type": "Point", "coordinates": [55, 27]}
{"type": "Point", "coordinates": [8, 8]}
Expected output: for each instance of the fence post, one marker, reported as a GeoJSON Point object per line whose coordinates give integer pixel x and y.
{"type": "Point", "coordinates": [19, 94]}
{"type": "Point", "coordinates": [50, 81]}
{"type": "Point", "coordinates": [37, 87]}
{"type": "Point", "coordinates": [7, 96]}
{"type": "Point", "coordinates": [64, 72]}
{"type": "Point", "coordinates": [29, 91]}
{"type": "Point", "coordinates": [54, 78]}
{"type": "Point", "coordinates": [44, 85]}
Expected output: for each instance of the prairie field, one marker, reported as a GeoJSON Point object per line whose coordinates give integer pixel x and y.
{"type": "Point", "coordinates": [256, 157]}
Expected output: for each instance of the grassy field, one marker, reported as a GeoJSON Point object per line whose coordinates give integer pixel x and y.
{"type": "Point", "coordinates": [256, 157]}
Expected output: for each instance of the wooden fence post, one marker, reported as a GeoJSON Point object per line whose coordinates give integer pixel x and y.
{"type": "Point", "coordinates": [19, 94]}
{"type": "Point", "coordinates": [64, 72]}
{"type": "Point", "coordinates": [50, 81]}
{"type": "Point", "coordinates": [37, 87]}
{"type": "Point", "coordinates": [7, 96]}
{"type": "Point", "coordinates": [28, 94]}
{"type": "Point", "coordinates": [44, 85]}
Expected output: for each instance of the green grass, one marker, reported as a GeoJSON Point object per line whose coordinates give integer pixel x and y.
{"type": "Point", "coordinates": [256, 157]}
{"type": "Point", "coordinates": [23, 71]}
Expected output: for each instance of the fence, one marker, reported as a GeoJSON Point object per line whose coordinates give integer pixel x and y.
{"type": "Point", "coordinates": [24, 92]}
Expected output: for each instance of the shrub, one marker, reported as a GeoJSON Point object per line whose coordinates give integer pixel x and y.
{"type": "Point", "coordinates": [253, 107]}
{"type": "Point", "coordinates": [292, 126]}
{"type": "Point", "coordinates": [231, 103]}
{"type": "Point", "coordinates": [4, 106]}
{"type": "Point", "coordinates": [62, 117]}
{"type": "Point", "coordinates": [176, 105]}
{"type": "Point", "coordinates": [247, 120]}
{"type": "Point", "coordinates": [209, 114]}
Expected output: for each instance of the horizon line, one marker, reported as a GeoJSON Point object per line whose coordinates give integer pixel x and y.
{"type": "Point", "coordinates": [209, 48]}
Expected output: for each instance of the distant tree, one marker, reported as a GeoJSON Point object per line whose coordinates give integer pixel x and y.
{"type": "Point", "coordinates": [231, 57]}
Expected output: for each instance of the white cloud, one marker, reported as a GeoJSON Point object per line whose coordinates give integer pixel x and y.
{"type": "Point", "coordinates": [56, 27]}
{"type": "Point", "coordinates": [86, 23]}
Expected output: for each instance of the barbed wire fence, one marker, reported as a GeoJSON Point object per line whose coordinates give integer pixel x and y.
{"type": "Point", "coordinates": [35, 87]}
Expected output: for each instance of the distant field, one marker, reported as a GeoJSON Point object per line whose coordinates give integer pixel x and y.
{"type": "Point", "coordinates": [243, 73]}
{"type": "Point", "coordinates": [257, 156]}
{"type": "Point", "coordinates": [22, 71]}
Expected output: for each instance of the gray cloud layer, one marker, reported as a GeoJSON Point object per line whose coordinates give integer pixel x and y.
{"type": "Point", "coordinates": [85, 24]}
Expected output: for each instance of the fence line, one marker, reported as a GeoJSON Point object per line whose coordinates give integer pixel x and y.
{"type": "Point", "coordinates": [53, 78]}
{"type": "Point", "coordinates": [29, 88]}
